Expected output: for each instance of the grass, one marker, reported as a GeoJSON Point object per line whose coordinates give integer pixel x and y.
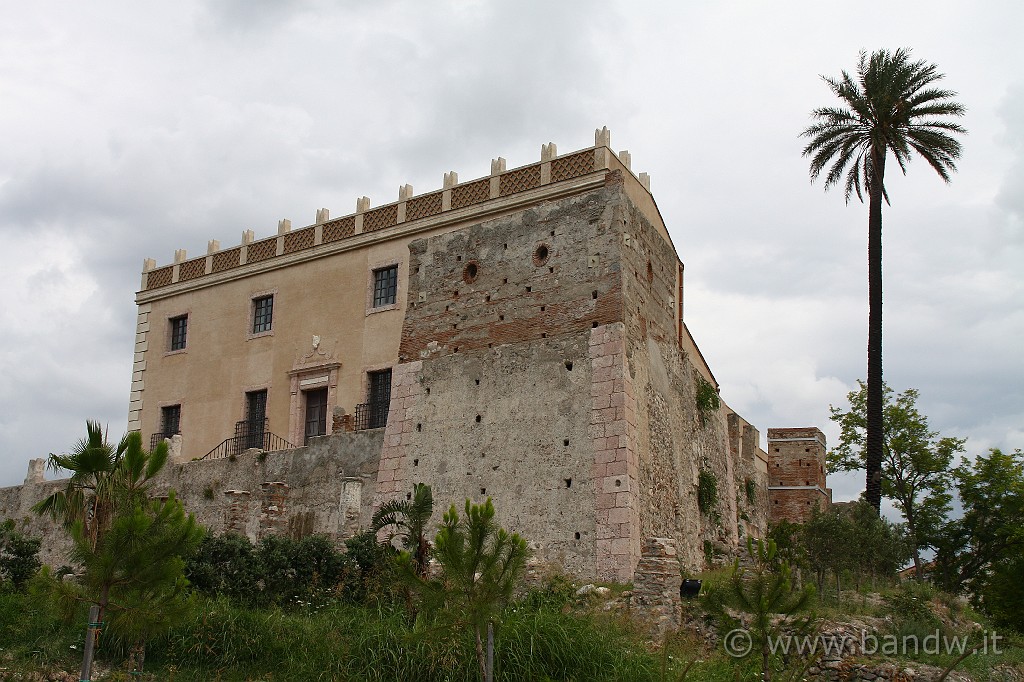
{"type": "Point", "coordinates": [548, 635]}
{"type": "Point", "coordinates": [222, 641]}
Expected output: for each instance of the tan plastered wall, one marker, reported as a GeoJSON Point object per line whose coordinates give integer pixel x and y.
{"type": "Point", "coordinates": [325, 298]}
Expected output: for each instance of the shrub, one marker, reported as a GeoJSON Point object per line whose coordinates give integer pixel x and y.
{"type": "Point", "coordinates": [911, 611]}
{"type": "Point", "coordinates": [19, 555]}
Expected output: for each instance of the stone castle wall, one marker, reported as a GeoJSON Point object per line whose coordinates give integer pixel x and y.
{"type": "Point", "coordinates": [326, 487]}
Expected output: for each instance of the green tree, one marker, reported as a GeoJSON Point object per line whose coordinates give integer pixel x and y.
{"type": "Point", "coordinates": [891, 106]}
{"type": "Point", "coordinates": [915, 460]}
{"type": "Point", "coordinates": [129, 545]}
{"type": "Point", "coordinates": [878, 547]}
{"type": "Point", "coordinates": [977, 550]}
{"type": "Point", "coordinates": [408, 520]}
{"type": "Point", "coordinates": [480, 565]}
{"type": "Point", "coordinates": [767, 594]}
{"type": "Point", "coordinates": [826, 538]}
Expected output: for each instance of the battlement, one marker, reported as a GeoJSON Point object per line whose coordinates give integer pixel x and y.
{"type": "Point", "coordinates": [553, 174]}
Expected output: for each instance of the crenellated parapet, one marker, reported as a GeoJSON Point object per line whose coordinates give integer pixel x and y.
{"type": "Point", "coordinates": [552, 174]}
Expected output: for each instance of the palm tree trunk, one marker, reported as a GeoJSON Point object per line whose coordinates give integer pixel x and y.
{"type": "Point", "coordinates": [874, 443]}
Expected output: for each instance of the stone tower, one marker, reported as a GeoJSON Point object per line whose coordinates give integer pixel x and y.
{"type": "Point", "coordinates": [796, 474]}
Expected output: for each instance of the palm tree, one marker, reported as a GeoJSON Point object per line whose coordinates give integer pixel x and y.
{"type": "Point", "coordinates": [409, 518]}
{"type": "Point", "coordinates": [102, 476]}
{"type": "Point", "coordinates": [892, 106]}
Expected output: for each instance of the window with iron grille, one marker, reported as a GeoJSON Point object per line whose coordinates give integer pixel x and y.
{"type": "Point", "coordinates": [179, 332]}
{"type": "Point", "coordinates": [385, 286]}
{"type": "Point", "coordinates": [170, 420]}
{"type": "Point", "coordinates": [262, 314]}
{"type": "Point", "coordinates": [378, 398]}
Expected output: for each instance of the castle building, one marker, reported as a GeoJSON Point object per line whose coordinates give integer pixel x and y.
{"type": "Point", "coordinates": [519, 336]}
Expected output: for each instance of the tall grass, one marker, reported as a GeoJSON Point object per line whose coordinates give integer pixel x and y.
{"type": "Point", "coordinates": [345, 642]}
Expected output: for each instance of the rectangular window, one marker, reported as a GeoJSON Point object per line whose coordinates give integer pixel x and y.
{"type": "Point", "coordinates": [379, 398]}
{"type": "Point", "coordinates": [170, 420]}
{"type": "Point", "coordinates": [262, 314]}
{"type": "Point", "coordinates": [385, 286]}
{"type": "Point", "coordinates": [179, 331]}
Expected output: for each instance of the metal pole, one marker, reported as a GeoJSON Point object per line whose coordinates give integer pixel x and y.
{"type": "Point", "coordinates": [489, 676]}
{"type": "Point", "coordinates": [90, 643]}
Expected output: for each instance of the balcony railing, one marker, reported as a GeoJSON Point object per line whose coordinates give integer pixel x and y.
{"type": "Point", "coordinates": [157, 437]}
{"type": "Point", "coordinates": [371, 416]}
{"type": "Point", "coordinates": [248, 434]}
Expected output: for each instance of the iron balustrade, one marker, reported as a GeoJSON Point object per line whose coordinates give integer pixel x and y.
{"type": "Point", "coordinates": [371, 415]}
{"type": "Point", "coordinates": [157, 437]}
{"type": "Point", "coordinates": [249, 434]}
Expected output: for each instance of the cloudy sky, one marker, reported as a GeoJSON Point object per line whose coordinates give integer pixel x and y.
{"type": "Point", "coordinates": [131, 129]}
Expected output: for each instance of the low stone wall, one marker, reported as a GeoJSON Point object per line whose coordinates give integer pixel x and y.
{"type": "Point", "coordinates": [326, 487]}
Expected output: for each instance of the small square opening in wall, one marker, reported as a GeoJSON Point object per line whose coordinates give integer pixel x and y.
{"type": "Point", "coordinates": [529, 289]}
{"type": "Point", "coordinates": [565, 442]}
{"type": "Point", "coordinates": [618, 483]}
{"type": "Point", "coordinates": [415, 462]}
{"type": "Point", "coordinates": [505, 281]}
{"type": "Point", "coordinates": [593, 294]}
{"type": "Point", "coordinates": [478, 419]}
{"type": "Point", "coordinates": [568, 365]}
{"type": "Point", "coordinates": [576, 535]}
{"type": "Point", "coordinates": [483, 491]}
{"type": "Point", "coordinates": [419, 427]}
{"type": "Point", "coordinates": [568, 483]}
{"type": "Point", "coordinates": [408, 496]}
{"type": "Point", "coordinates": [477, 382]}
{"type": "Point", "coordinates": [593, 325]}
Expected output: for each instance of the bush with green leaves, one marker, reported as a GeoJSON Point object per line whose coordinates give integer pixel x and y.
{"type": "Point", "coordinates": [911, 610]}
{"type": "Point", "coordinates": [278, 570]}
{"type": "Point", "coordinates": [19, 555]}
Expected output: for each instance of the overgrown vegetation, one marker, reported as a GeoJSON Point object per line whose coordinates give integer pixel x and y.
{"type": "Point", "coordinates": [707, 491]}
{"type": "Point", "coordinates": [706, 398]}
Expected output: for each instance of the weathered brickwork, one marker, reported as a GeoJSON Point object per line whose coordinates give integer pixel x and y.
{"type": "Point", "coordinates": [513, 280]}
{"type": "Point", "coordinates": [796, 473]}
